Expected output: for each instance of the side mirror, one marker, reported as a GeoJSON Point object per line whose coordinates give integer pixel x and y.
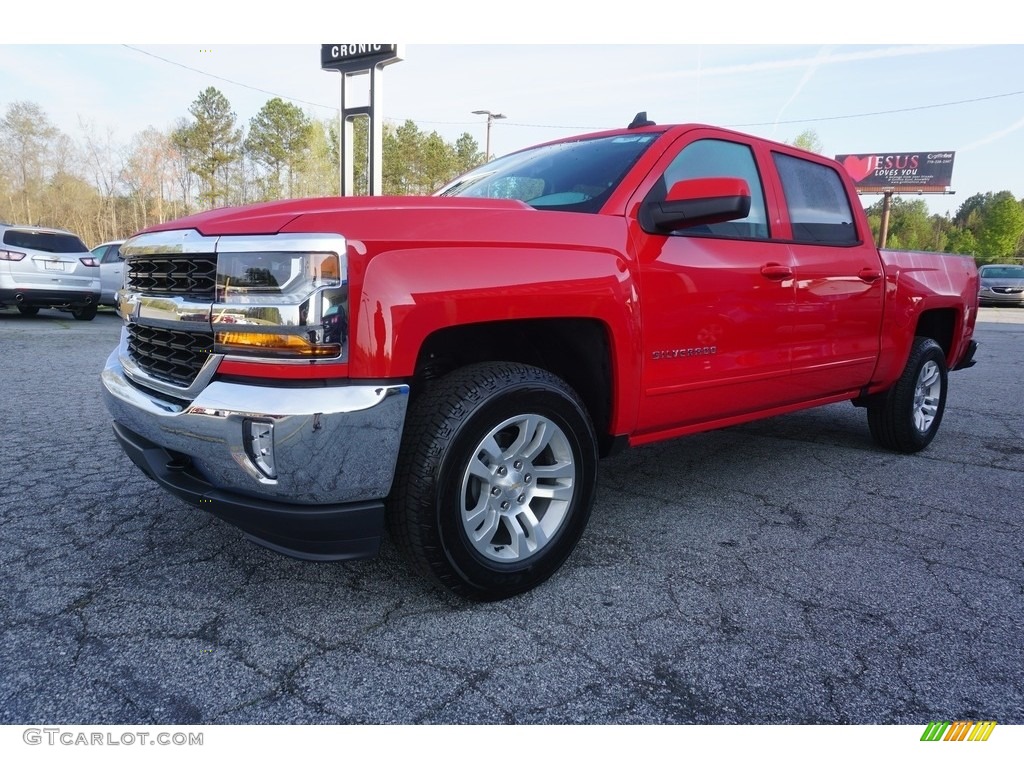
{"type": "Point", "coordinates": [695, 202]}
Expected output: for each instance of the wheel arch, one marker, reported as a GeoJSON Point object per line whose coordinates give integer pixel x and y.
{"type": "Point", "coordinates": [577, 350]}
{"type": "Point", "coordinates": [940, 325]}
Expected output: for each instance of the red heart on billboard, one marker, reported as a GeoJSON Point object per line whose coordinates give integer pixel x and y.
{"type": "Point", "coordinates": [858, 167]}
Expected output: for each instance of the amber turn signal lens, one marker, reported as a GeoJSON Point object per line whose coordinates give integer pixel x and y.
{"type": "Point", "coordinates": [273, 345]}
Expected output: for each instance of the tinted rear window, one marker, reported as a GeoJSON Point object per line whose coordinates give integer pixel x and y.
{"type": "Point", "coordinates": [43, 241]}
{"type": "Point", "coordinates": [816, 198]}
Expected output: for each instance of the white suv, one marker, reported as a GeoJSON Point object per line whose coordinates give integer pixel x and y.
{"type": "Point", "coordinates": [42, 267]}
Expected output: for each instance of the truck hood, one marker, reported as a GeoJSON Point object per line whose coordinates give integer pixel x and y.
{"type": "Point", "coordinates": [272, 218]}
{"type": "Point", "coordinates": [372, 225]}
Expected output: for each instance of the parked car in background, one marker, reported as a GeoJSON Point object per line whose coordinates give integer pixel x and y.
{"type": "Point", "coordinates": [1001, 284]}
{"type": "Point", "coordinates": [111, 271]}
{"type": "Point", "coordinates": [47, 268]}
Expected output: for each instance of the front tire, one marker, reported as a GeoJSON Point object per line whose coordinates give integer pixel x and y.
{"type": "Point", "coordinates": [84, 313]}
{"type": "Point", "coordinates": [495, 480]}
{"type": "Point", "coordinates": [906, 417]}
{"type": "Point", "coordinates": [29, 311]}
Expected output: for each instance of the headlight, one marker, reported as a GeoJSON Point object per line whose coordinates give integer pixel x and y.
{"type": "Point", "coordinates": [281, 304]}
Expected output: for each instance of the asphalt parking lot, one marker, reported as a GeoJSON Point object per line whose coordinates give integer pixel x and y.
{"type": "Point", "coordinates": [780, 572]}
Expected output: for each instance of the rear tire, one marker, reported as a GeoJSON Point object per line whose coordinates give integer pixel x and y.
{"type": "Point", "coordinates": [906, 417]}
{"type": "Point", "coordinates": [495, 479]}
{"type": "Point", "coordinates": [84, 313]}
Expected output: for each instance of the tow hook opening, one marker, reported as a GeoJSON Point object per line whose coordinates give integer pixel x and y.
{"type": "Point", "coordinates": [179, 462]}
{"type": "Point", "coordinates": [258, 438]}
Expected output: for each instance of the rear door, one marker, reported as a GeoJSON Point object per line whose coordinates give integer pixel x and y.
{"type": "Point", "coordinates": [839, 281]}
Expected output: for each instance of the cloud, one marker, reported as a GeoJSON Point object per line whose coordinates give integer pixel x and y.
{"type": "Point", "coordinates": [823, 56]}
{"type": "Point", "coordinates": [994, 136]}
{"type": "Point", "coordinates": [704, 73]}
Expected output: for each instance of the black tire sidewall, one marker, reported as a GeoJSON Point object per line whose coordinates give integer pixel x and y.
{"type": "Point", "coordinates": [895, 415]}
{"type": "Point", "coordinates": [930, 352]}
{"type": "Point", "coordinates": [493, 579]}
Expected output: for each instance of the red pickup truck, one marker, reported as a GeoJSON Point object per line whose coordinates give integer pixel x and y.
{"type": "Point", "coordinates": [452, 367]}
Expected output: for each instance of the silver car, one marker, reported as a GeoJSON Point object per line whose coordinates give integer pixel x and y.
{"type": "Point", "coordinates": [42, 267]}
{"type": "Point", "coordinates": [111, 271]}
{"type": "Point", "coordinates": [1001, 284]}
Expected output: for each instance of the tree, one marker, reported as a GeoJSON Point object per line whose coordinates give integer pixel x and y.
{"type": "Point", "coordinates": [962, 241]}
{"type": "Point", "coordinates": [103, 162]}
{"type": "Point", "coordinates": [402, 152]}
{"type": "Point", "coordinates": [212, 144]}
{"type": "Point", "coordinates": [73, 203]}
{"type": "Point", "coordinates": [279, 137]}
{"type": "Point", "coordinates": [1002, 226]}
{"type": "Point", "coordinates": [360, 156]}
{"type": "Point", "coordinates": [148, 170]}
{"type": "Point", "coordinates": [810, 141]}
{"type": "Point", "coordinates": [437, 162]}
{"type": "Point", "coordinates": [317, 174]}
{"type": "Point", "coordinates": [990, 226]}
{"type": "Point", "coordinates": [416, 163]}
{"type": "Point", "coordinates": [910, 227]}
{"type": "Point", "coordinates": [968, 215]}
{"type": "Point", "coordinates": [27, 140]}
{"type": "Point", "coordinates": [467, 154]}
{"type": "Point", "coordinates": [181, 163]}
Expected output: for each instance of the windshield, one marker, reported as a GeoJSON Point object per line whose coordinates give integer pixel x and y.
{"type": "Point", "coordinates": [1003, 272]}
{"type": "Point", "coordinates": [570, 176]}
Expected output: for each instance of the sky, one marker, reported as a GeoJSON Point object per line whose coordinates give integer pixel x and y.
{"type": "Point", "coordinates": [925, 78]}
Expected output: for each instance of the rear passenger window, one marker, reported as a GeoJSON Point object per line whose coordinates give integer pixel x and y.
{"type": "Point", "coordinates": [710, 158]}
{"type": "Point", "coordinates": [816, 198]}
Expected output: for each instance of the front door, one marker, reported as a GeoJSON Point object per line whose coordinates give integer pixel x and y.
{"type": "Point", "coordinates": [716, 300]}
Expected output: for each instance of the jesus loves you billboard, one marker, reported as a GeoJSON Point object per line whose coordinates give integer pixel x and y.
{"type": "Point", "coordinates": [902, 169]}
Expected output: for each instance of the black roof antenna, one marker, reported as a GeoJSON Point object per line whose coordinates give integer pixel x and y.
{"type": "Point", "coordinates": [640, 121]}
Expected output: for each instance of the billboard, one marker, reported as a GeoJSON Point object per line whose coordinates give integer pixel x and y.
{"type": "Point", "coordinates": [900, 171]}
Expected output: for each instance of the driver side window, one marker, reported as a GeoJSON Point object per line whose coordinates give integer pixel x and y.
{"type": "Point", "coordinates": [709, 158]}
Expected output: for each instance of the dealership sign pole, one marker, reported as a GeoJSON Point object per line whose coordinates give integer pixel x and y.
{"type": "Point", "coordinates": [351, 59]}
{"type": "Point", "coordinates": [911, 173]}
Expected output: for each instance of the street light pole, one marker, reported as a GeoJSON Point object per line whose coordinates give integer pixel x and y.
{"type": "Point", "coordinates": [491, 117]}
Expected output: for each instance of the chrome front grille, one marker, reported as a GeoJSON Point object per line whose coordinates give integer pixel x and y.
{"type": "Point", "coordinates": [173, 356]}
{"type": "Point", "coordinates": [173, 275]}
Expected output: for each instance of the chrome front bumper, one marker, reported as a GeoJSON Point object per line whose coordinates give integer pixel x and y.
{"type": "Point", "coordinates": [333, 452]}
